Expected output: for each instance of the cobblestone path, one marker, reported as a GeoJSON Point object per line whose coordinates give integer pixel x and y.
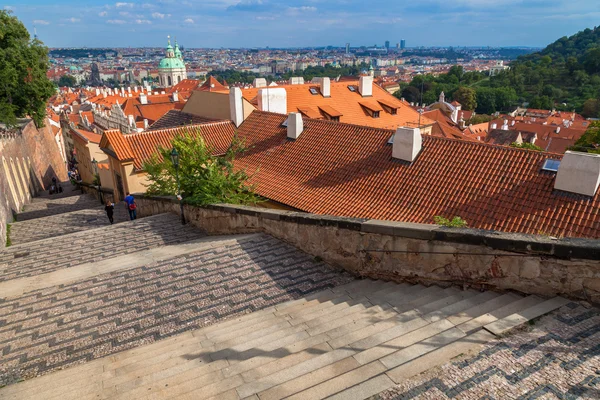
{"type": "Point", "coordinates": [557, 357]}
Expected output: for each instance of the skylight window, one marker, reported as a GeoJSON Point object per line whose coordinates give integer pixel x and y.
{"type": "Point", "coordinates": [313, 91]}
{"type": "Point", "coordinates": [352, 88]}
{"type": "Point", "coordinates": [551, 165]}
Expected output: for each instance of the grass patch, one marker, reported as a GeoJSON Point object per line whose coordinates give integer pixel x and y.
{"type": "Point", "coordinates": [8, 242]}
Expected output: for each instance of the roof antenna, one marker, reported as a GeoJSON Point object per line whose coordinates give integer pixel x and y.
{"type": "Point", "coordinates": [421, 109]}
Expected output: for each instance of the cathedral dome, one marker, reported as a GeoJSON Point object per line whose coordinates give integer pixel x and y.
{"type": "Point", "coordinates": [171, 63]}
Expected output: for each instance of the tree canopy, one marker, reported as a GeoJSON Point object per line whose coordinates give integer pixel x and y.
{"type": "Point", "coordinates": [67, 80]}
{"type": "Point", "coordinates": [204, 178]}
{"type": "Point", "coordinates": [24, 87]}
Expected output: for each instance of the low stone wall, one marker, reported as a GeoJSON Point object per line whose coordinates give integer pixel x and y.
{"type": "Point", "coordinates": [107, 194]}
{"type": "Point", "coordinates": [414, 252]}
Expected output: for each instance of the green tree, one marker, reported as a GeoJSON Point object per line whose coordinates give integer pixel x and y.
{"type": "Point", "coordinates": [467, 97]}
{"type": "Point", "coordinates": [591, 108]}
{"type": "Point", "coordinates": [591, 61]}
{"type": "Point", "coordinates": [486, 100]}
{"type": "Point", "coordinates": [526, 145]}
{"type": "Point", "coordinates": [411, 94]}
{"type": "Point", "coordinates": [24, 87]}
{"type": "Point", "coordinates": [590, 141]}
{"type": "Point", "coordinates": [67, 80]}
{"type": "Point", "coordinates": [204, 178]}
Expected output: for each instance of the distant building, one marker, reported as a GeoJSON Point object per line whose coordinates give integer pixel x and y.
{"type": "Point", "coordinates": [347, 48]}
{"type": "Point", "coordinates": [387, 44]}
{"type": "Point", "coordinates": [402, 44]}
{"type": "Point", "coordinates": [499, 67]}
{"type": "Point", "coordinates": [171, 69]}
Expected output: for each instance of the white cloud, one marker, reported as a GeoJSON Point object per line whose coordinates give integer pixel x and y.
{"type": "Point", "coordinates": [116, 21]}
{"type": "Point", "coordinates": [142, 21]}
{"type": "Point", "coordinates": [41, 22]}
{"type": "Point", "coordinates": [157, 15]}
{"type": "Point", "coordinates": [121, 5]}
{"type": "Point", "coordinates": [103, 14]}
{"type": "Point", "coordinates": [189, 21]}
{"type": "Point", "coordinates": [146, 5]}
{"type": "Point", "coordinates": [73, 19]}
{"type": "Point", "coordinates": [124, 13]}
{"type": "Point", "coordinates": [303, 9]}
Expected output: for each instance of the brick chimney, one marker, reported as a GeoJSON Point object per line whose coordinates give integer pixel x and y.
{"type": "Point", "coordinates": [295, 125]}
{"type": "Point", "coordinates": [273, 100]}
{"type": "Point", "coordinates": [365, 86]}
{"type": "Point", "coordinates": [325, 87]}
{"type": "Point", "coordinates": [578, 173]}
{"type": "Point", "coordinates": [236, 106]}
{"type": "Point", "coordinates": [407, 144]}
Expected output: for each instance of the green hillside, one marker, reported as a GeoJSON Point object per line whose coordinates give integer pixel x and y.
{"type": "Point", "coordinates": [565, 72]}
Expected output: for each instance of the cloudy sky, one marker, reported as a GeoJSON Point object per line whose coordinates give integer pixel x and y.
{"type": "Point", "coordinates": [299, 23]}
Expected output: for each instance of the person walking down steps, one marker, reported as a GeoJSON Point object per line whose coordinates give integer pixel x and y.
{"type": "Point", "coordinates": [110, 209]}
{"type": "Point", "coordinates": [131, 206]}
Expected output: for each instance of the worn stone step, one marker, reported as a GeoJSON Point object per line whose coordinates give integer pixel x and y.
{"type": "Point", "coordinates": [483, 308]}
{"type": "Point", "coordinates": [435, 314]}
{"type": "Point", "coordinates": [365, 389]}
{"type": "Point", "coordinates": [341, 382]}
{"type": "Point", "coordinates": [464, 345]}
{"type": "Point", "coordinates": [512, 321]}
{"type": "Point", "coordinates": [502, 312]}
{"type": "Point", "coordinates": [354, 316]}
{"type": "Point", "coordinates": [405, 295]}
{"type": "Point", "coordinates": [432, 296]}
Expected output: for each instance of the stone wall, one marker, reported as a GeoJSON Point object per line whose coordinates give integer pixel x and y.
{"type": "Point", "coordinates": [414, 252]}
{"type": "Point", "coordinates": [29, 158]}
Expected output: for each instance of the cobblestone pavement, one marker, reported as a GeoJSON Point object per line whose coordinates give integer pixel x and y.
{"type": "Point", "coordinates": [53, 328]}
{"type": "Point", "coordinates": [64, 223]}
{"type": "Point", "coordinates": [40, 257]}
{"type": "Point", "coordinates": [49, 209]}
{"type": "Point", "coordinates": [43, 203]}
{"type": "Point", "coordinates": [558, 357]}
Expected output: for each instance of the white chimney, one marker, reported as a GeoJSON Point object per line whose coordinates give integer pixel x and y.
{"type": "Point", "coordinates": [135, 89]}
{"type": "Point", "coordinates": [97, 92]}
{"type": "Point", "coordinates": [578, 173]}
{"type": "Point", "coordinates": [558, 129]}
{"type": "Point", "coordinates": [131, 120]}
{"type": "Point", "coordinates": [163, 92]}
{"type": "Point", "coordinates": [236, 106]}
{"type": "Point", "coordinates": [175, 97]}
{"type": "Point", "coordinates": [365, 86]}
{"type": "Point", "coordinates": [407, 143]}
{"type": "Point", "coordinates": [295, 125]}
{"type": "Point", "coordinates": [129, 89]}
{"type": "Point", "coordinates": [494, 126]}
{"type": "Point", "coordinates": [143, 98]}
{"type": "Point", "coordinates": [512, 123]}
{"type": "Point", "coordinates": [296, 80]}
{"type": "Point", "coordinates": [326, 87]}
{"type": "Point", "coordinates": [145, 123]}
{"type": "Point", "coordinates": [273, 100]}
{"type": "Point", "coordinates": [260, 82]}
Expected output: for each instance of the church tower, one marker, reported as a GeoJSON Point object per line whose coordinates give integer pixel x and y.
{"type": "Point", "coordinates": [171, 69]}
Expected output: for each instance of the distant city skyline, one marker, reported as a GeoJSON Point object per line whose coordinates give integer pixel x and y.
{"type": "Point", "coordinates": [307, 23]}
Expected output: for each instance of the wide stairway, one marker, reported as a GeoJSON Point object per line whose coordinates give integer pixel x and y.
{"type": "Point", "coordinates": [151, 309]}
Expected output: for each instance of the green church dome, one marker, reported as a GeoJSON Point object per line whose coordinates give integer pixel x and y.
{"type": "Point", "coordinates": [168, 63]}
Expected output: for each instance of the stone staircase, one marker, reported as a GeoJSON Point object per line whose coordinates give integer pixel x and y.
{"type": "Point", "coordinates": [151, 309]}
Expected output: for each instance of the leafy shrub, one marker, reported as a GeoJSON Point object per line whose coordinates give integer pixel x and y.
{"type": "Point", "coordinates": [455, 222]}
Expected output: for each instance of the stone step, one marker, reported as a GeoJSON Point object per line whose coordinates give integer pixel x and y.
{"type": "Point", "coordinates": [40, 257]}
{"type": "Point", "coordinates": [512, 321]}
{"type": "Point", "coordinates": [62, 209]}
{"type": "Point", "coordinates": [46, 203]}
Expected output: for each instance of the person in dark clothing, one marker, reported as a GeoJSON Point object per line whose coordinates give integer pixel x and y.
{"type": "Point", "coordinates": [109, 208]}
{"type": "Point", "coordinates": [131, 206]}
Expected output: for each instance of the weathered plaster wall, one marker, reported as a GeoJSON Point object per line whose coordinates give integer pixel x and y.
{"type": "Point", "coordinates": [414, 252]}
{"type": "Point", "coordinates": [28, 160]}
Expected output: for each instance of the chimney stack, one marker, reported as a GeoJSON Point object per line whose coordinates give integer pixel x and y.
{"type": "Point", "coordinates": [129, 89]}
{"type": "Point", "coordinates": [296, 80]}
{"type": "Point", "coordinates": [407, 143]}
{"type": "Point", "coordinates": [325, 87]}
{"type": "Point", "coordinates": [145, 123]}
{"type": "Point", "coordinates": [131, 120]}
{"type": "Point", "coordinates": [143, 98]}
{"type": "Point", "coordinates": [97, 92]}
{"type": "Point", "coordinates": [365, 86]}
{"type": "Point", "coordinates": [273, 100]}
{"type": "Point", "coordinates": [175, 96]}
{"type": "Point", "coordinates": [493, 126]}
{"type": "Point", "coordinates": [295, 125]}
{"type": "Point", "coordinates": [236, 106]}
{"type": "Point", "coordinates": [135, 89]}
{"type": "Point", "coordinates": [578, 173]}
{"type": "Point", "coordinates": [260, 82]}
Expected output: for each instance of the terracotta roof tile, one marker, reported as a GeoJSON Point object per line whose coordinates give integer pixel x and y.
{"type": "Point", "coordinates": [117, 141]}
{"type": "Point", "coordinates": [176, 118]}
{"type": "Point", "coordinates": [347, 103]}
{"type": "Point", "coordinates": [88, 136]}
{"type": "Point", "coordinates": [347, 170]}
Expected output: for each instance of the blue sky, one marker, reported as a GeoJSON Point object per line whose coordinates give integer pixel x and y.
{"type": "Point", "coordinates": [298, 23]}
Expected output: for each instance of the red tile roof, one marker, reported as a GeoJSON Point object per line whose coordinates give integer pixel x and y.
{"type": "Point", "coordinates": [347, 104]}
{"type": "Point", "coordinates": [211, 85]}
{"type": "Point", "coordinates": [88, 136]}
{"type": "Point", "coordinates": [115, 139]}
{"type": "Point", "coordinates": [142, 145]}
{"type": "Point", "coordinates": [348, 170]}
{"type": "Point", "coordinates": [444, 126]}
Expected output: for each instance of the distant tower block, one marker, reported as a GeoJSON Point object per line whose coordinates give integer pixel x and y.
{"type": "Point", "coordinates": [402, 44]}
{"type": "Point", "coordinates": [347, 48]}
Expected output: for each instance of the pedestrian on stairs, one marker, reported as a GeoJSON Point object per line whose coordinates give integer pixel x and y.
{"type": "Point", "coordinates": [131, 206]}
{"type": "Point", "coordinates": [109, 208]}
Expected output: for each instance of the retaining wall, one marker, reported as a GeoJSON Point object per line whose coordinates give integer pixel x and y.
{"type": "Point", "coordinates": [414, 252]}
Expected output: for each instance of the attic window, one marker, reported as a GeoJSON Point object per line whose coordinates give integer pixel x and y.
{"type": "Point", "coordinates": [313, 91]}
{"type": "Point", "coordinates": [376, 114]}
{"type": "Point", "coordinates": [391, 139]}
{"type": "Point", "coordinates": [551, 165]}
{"type": "Point", "coordinates": [352, 88]}
{"type": "Point", "coordinates": [285, 123]}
